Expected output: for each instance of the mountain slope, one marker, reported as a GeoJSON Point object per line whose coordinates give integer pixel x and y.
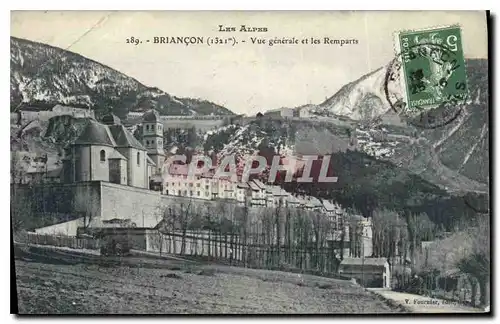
{"type": "Point", "coordinates": [46, 75]}
{"type": "Point", "coordinates": [358, 100]}
{"type": "Point", "coordinates": [455, 156]}
{"type": "Point", "coordinates": [364, 182]}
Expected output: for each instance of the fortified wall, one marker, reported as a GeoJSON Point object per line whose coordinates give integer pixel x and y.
{"type": "Point", "coordinates": [26, 116]}
{"type": "Point", "coordinates": [98, 201]}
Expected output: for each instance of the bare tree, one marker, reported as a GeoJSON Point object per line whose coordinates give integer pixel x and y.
{"type": "Point", "coordinates": [266, 223]}
{"type": "Point", "coordinates": [278, 223]}
{"type": "Point", "coordinates": [243, 221]}
{"type": "Point", "coordinates": [88, 204]}
{"type": "Point", "coordinates": [159, 215]}
{"type": "Point", "coordinates": [21, 210]}
{"type": "Point", "coordinates": [185, 213]}
{"type": "Point", "coordinates": [355, 233]}
{"type": "Point", "coordinates": [288, 232]}
{"type": "Point", "coordinates": [419, 228]}
{"type": "Point", "coordinates": [477, 263]}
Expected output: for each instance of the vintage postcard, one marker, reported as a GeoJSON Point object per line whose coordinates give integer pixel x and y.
{"type": "Point", "coordinates": [204, 162]}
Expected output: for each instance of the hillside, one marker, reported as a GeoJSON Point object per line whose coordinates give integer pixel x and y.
{"type": "Point", "coordinates": [63, 282]}
{"type": "Point", "coordinates": [359, 100]}
{"type": "Point", "coordinates": [455, 156]}
{"type": "Point", "coordinates": [44, 75]}
{"type": "Point", "coordinates": [366, 179]}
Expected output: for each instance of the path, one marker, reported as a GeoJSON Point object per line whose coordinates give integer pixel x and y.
{"type": "Point", "coordinates": [423, 304]}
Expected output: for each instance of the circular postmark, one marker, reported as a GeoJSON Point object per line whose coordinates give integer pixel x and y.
{"type": "Point", "coordinates": [444, 106]}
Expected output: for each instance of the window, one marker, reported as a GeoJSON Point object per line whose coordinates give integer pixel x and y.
{"type": "Point", "coordinates": [166, 184]}
{"type": "Point", "coordinates": [198, 193]}
{"type": "Point", "coordinates": [190, 193]}
{"type": "Point", "coordinates": [103, 156]}
{"type": "Point", "coordinates": [206, 194]}
{"type": "Point", "coordinates": [166, 192]}
{"type": "Point", "coordinates": [138, 158]}
{"type": "Point", "coordinates": [206, 187]}
{"type": "Point", "coordinates": [147, 127]}
{"type": "Point", "coordinates": [198, 185]}
{"type": "Point", "coordinates": [179, 193]}
{"type": "Point", "coordinates": [191, 184]}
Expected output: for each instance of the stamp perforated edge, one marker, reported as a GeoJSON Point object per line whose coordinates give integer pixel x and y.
{"type": "Point", "coordinates": [397, 52]}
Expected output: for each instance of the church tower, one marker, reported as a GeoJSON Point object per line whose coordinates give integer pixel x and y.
{"type": "Point", "coordinates": [152, 138]}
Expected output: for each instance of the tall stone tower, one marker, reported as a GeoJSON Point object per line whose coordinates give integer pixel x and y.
{"type": "Point", "coordinates": [152, 138]}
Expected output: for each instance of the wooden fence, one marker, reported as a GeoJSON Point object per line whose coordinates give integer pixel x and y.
{"type": "Point", "coordinates": [231, 249]}
{"type": "Point", "coordinates": [59, 240]}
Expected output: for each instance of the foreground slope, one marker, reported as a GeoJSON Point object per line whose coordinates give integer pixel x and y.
{"type": "Point", "coordinates": [47, 285]}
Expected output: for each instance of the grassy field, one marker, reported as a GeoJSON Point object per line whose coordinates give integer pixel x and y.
{"type": "Point", "coordinates": [62, 282]}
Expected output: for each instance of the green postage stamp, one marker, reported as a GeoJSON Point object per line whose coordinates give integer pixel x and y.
{"type": "Point", "coordinates": [433, 67]}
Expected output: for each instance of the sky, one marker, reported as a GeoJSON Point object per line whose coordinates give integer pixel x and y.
{"type": "Point", "coordinates": [246, 77]}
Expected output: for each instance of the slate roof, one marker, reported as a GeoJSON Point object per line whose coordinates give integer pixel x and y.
{"type": "Point", "coordinates": [111, 119]}
{"type": "Point", "coordinates": [116, 156]}
{"type": "Point", "coordinates": [150, 161]}
{"type": "Point", "coordinates": [253, 186]}
{"type": "Point", "coordinates": [55, 173]}
{"type": "Point", "coordinates": [276, 191]}
{"type": "Point", "coordinates": [95, 133]}
{"type": "Point", "coordinates": [151, 116]}
{"type": "Point", "coordinates": [292, 199]}
{"type": "Point", "coordinates": [367, 261]}
{"type": "Point", "coordinates": [123, 138]}
{"type": "Point", "coordinates": [329, 206]}
{"type": "Point", "coordinates": [259, 184]}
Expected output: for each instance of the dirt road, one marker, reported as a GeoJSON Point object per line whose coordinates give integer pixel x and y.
{"type": "Point", "coordinates": [422, 304]}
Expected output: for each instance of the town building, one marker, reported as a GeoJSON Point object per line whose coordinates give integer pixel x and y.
{"type": "Point", "coordinates": [27, 114]}
{"type": "Point", "coordinates": [286, 112]}
{"type": "Point", "coordinates": [152, 138]}
{"type": "Point", "coordinates": [36, 175]}
{"type": "Point", "coordinates": [124, 178]}
{"type": "Point", "coordinates": [275, 196]}
{"type": "Point", "coordinates": [304, 113]}
{"type": "Point", "coordinates": [258, 193]}
{"type": "Point", "coordinates": [178, 182]}
{"type": "Point", "coordinates": [369, 272]}
{"type": "Point", "coordinates": [107, 151]}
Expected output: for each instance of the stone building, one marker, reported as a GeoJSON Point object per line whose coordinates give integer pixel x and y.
{"type": "Point", "coordinates": [369, 272]}
{"type": "Point", "coordinates": [152, 138]}
{"type": "Point", "coordinates": [107, 151]}
{"type": "Point", "coordinates": [286, 112]}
